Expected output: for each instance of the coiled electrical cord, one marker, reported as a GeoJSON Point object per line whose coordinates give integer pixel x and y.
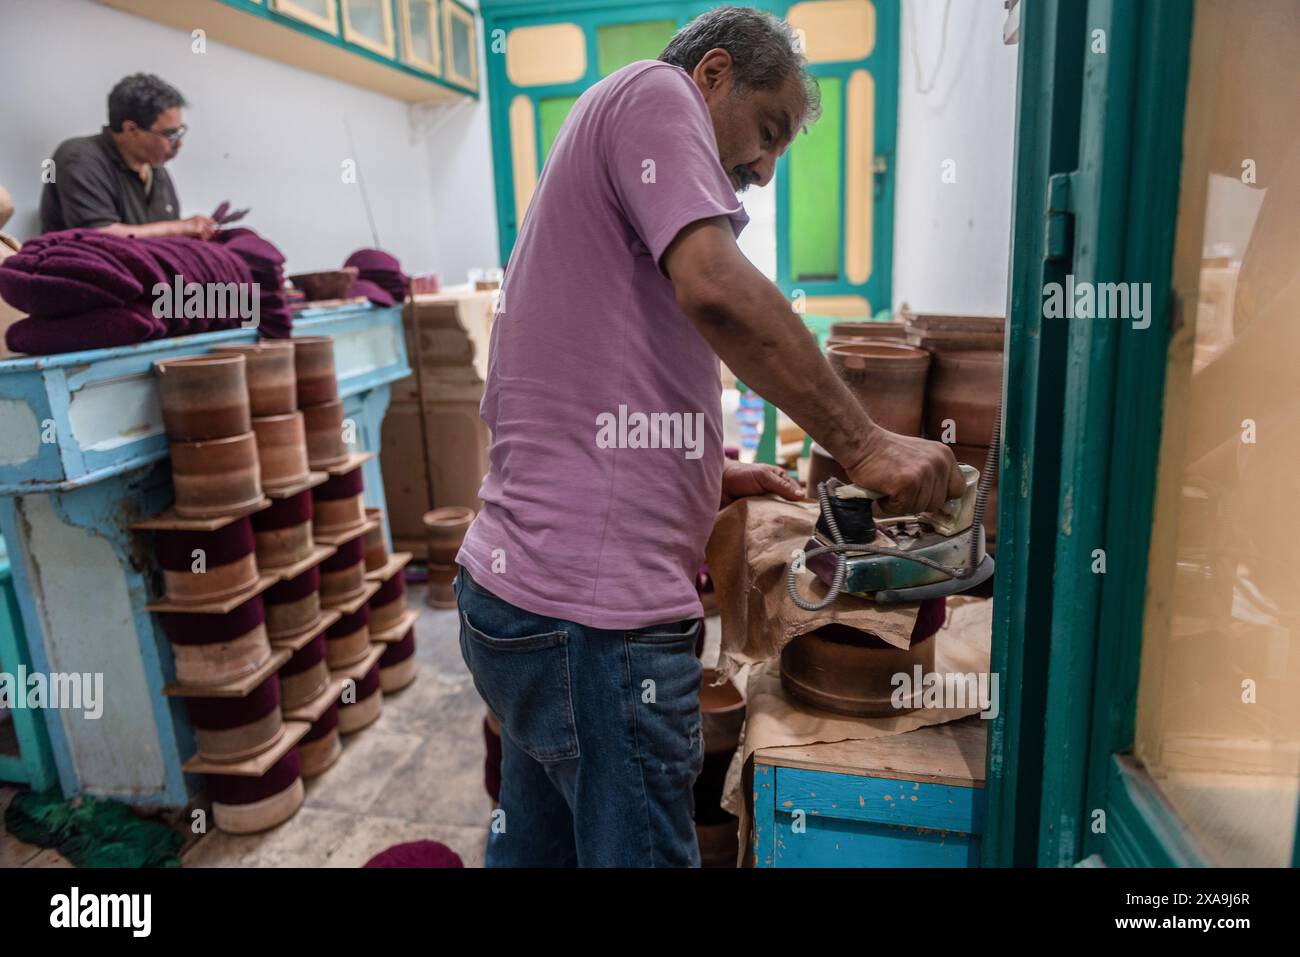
{"type": "Point", "coordinates": [840, 548]}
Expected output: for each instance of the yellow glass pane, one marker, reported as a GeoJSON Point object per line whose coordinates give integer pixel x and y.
{"type": "Point", "coordinates": [553, 53]}
{"type": "Point", "coordinates": [1219, 699]}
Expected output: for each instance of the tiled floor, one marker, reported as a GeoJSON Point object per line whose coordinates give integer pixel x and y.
{"type": "Point", "coordinates": [415, 774]}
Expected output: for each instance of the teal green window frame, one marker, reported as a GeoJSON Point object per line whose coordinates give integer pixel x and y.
{"type": "Point", "coordinates": [263, 11]}
{"type": "Point", "coordinates": [882, 63]}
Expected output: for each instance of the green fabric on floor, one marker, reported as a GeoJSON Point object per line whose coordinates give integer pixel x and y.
{"type": "Point", "coordinates": [90, 832]}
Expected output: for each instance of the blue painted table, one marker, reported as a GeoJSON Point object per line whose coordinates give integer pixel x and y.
{"type": "Point", "coordinates": [82, 455]}
{"type": "Point", "coordinates": [904, 800]}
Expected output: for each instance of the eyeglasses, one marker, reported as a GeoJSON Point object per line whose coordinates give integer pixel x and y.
{"type": "Point", "coordinates": [171, 136]}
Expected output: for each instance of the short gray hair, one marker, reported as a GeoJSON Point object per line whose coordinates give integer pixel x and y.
{"type": "Point", "coordinates": [765, 51]}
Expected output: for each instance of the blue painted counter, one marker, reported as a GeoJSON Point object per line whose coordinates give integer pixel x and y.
{"type": "Point", "coordinates": [82, 455]}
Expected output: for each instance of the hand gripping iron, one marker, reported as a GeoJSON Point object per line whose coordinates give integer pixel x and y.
{"type": "Point", "coordinates": [899, 558]}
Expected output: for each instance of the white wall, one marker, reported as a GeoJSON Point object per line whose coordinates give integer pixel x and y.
{"type": "Point", "coordinates": [952, 240]}
{"type": "Point", "coordinates": [262, 134]}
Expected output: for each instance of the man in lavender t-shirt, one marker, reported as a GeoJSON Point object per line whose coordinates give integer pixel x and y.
{"type": "Point", "coordinates": [579, 613]}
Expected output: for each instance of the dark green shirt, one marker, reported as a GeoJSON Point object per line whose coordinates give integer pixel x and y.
{"type": "Point", "coordinates": [92, 186]}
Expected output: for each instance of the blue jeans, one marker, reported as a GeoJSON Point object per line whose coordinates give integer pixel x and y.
{"type": "Point", "coordinates": [601, 740]}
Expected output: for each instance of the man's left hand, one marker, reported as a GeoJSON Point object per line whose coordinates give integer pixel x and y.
{"type": "Point", "coordinates": [740, 479]}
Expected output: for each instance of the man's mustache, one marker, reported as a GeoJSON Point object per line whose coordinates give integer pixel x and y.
{"type": "Point", "coordinates": [745, 176]}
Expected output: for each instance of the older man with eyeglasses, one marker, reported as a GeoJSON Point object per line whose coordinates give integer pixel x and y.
{"type": "Point", "coordinates": [114, 180]}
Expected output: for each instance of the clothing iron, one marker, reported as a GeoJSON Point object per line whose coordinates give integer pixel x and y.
{"type": "Point", "coordinates": [896, 558]}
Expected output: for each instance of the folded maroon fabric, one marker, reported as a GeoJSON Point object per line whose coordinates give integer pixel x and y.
{"type": "Point", "coordinates": [234, 789]}
{"type": "Point", "coordinates": [374, 259]}
{"type": "Point", "coordinates": [372, 291]}
{"type": "Point", "coordinates": [347, 555]}
{"type": "Point", "coordinates": [295, 589]}
{"type": "Point", "coordinates": [347, 624]}
{"type": "Point", "coordinates": [219, 714]}
{"type": "Point", "coordinates": [175, 548]}
{"type": "Point", "coordinates": [389, 591]}
{"type": "Point", "coordinates": [326, 723]}
{"type": "Point", "coordinates": [191, 628]}
{"type": "Point", "coordinates": [101, 287]}
{"type": "Point", "coordinates": [381, 270]}
{"type": "Point", "coordinates": [398, 651]}
{"type": "Point", "coordinates": [100, 328]}
{"type": "Point", "coordinates": [284, 512]}
{"type": "Point", "coordinates": [305, 657]}
{"type": "Point", "coordinates": [416, 854]}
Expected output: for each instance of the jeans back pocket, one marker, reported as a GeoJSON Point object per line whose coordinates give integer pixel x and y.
{"type": "Point", "coordinates": [525, 681]}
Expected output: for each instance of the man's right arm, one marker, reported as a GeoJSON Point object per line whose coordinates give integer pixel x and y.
{"type": "Point", "coordinates": [196, 227]}
{"type": "Point", "coordinates": [751, 326]}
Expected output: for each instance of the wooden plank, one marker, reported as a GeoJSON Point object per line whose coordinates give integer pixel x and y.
{"type": "Point", "coordinates": [952, 753]}
{"type": "Point", "coordinates": [258, 764]}
{"type": "Point", "coordinates": [763, 837]}
{"type": "Point", "coordinates": [837, 843]}
{"type": "Point", "coordinates": [239, 688]}
{"type": "Point", "coordinates": [939, 807]}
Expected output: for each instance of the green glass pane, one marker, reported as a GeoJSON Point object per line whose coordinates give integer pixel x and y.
{"type": "Point", "coordinates": [817, 190]}
{"type": "Point", "coordinates": [618, 44]}
{"type": "Point", "coordinates": [461, 46]}
{"type": "Point", "coordinates": [551, 113]}
{"type": "Point", "coordinates": [366, 17]}
{"type": "Point", "coordinates": [420, 18]}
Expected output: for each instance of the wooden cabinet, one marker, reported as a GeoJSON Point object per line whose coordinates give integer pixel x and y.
{"type": "Point", "coordinates": [369, 25]}
{"type": "Point", "coordinates": [421, 30]}
{"type": "Point", "coordinates": [460, 39]}
{"type": "Point", "coordinates": [355, 41]}
{"type": "Point", "coordinates": [320, 14]}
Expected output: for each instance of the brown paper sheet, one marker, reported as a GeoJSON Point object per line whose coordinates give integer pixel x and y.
{"type": "Point", "coordinates": [773, 720]}
{"type": "Point", "coordinates": [752, 544]}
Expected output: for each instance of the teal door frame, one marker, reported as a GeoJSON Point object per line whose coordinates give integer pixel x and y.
{"type": "Point", "coordinates": [33, 765]}
{"type": "Point", "coordinates": [1047, 138]}
{"type": "Point", "coordinates": [500, 17]}
{"type": "Point", "coordinates": [882, 63]}
{"type": "Point", "coordinates": [1068, 638]}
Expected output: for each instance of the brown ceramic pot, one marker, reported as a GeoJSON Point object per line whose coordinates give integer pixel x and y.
{"type": "Point", "coordinates": [376, 544]}
{"type": "Point", "coordinates": [219, 662]}
{"type": "Point", "coordinates": [388, 615]}
{"type": "Point", "coordinates": [203, 397]}
{"type": "Point", "coordinates": [253, 817]}
{"type": "Point", "coordinates": [722, 714]}
{"type": "Point", "coordinates": [303, 687]}
{"type": "Point", "coordinates": [440, 592]}
{"type": "Point", "coordinates": [446, 528]}
{"type": "Point", "coordinates": [313, 361]}
{"type": "Point", "coordinates": [857, 331]}
{"type": "Point", "coordinates": [844, 670]}
{"type": "Point", "coordinates": [281, 450]}
{"type": "Point", "coordinates": [965, 390]}
{"type": "Point", "coordinates": [324, 425]}
{"type": "Point", "coordinates": [286, 619]}
{"type": "Point", "coordinates": [216, 476]}
{"type": "Point", "coordinates": [236, 744]}
{"type": "Point", "coordinates": [278, 547]}
{"type": "Point", "coordinates": [328, 284]}
{"type": "Point", "coordinates": [887, 378]}
{"type": "Point", "coordinates": [217, 582]}
{"type": "Point", "coordinates": [337, 514]}
{"type": "Point", "coordinates": [396, 677]}
{"type": "Point", "coordinates": [272, 387]}
{"type": "Point", "coordinates": [821, 466]}
{"type": "Point", "coordinates": [340, 586]}
{"type": "Point", "coordinates": [319, 755]}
